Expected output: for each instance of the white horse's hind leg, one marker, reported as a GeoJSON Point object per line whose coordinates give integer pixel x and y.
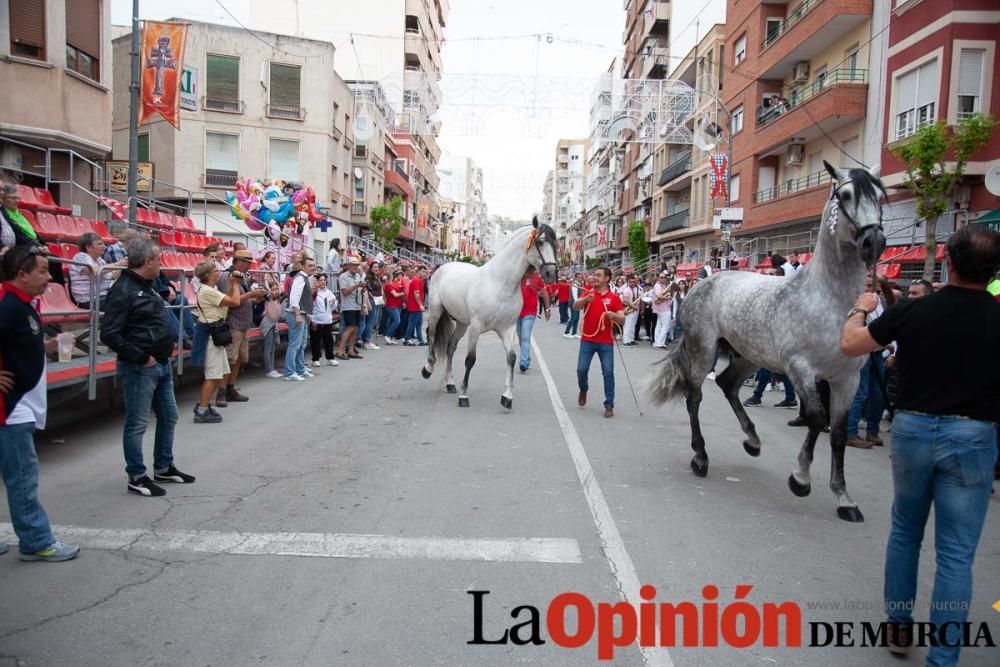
{"type": "Point", "coordinates": [507, 397]}
{"type": "Point", "coordinates": [804, 380]}
{"type": "Point", "coordinates": [470, 360]}
{"type": "Point", "coordinates": [449, 379]}
{"type": "Point", "coordinates": [434, 313]}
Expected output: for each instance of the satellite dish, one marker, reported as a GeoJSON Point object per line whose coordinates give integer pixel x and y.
{"type": "Point", "coordinates": [358, 173]}
{"type": "Point", "coordinates": [993, 179]}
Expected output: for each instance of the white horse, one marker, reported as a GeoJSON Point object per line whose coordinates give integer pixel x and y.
{"type": "Point", "coordinates": [463, 297]}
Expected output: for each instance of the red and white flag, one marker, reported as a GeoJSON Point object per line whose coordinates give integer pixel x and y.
{"type": "Point", "coordinates": [602, 234]}
{"type": "Point", "coordinates": [118, 210]}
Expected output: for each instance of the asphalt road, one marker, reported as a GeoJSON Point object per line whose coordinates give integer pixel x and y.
{"type": "Point", "coordinates": [344, 520]}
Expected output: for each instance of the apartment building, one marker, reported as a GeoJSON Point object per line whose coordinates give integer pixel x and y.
{"type": "Point", "coordinates": [395, 43]}
{"type": "Point", "coordinates": [565, 184]}
{"type": "Point", "coordinates": [55, 64]}
{"type": "Point", "coordinates": [599, 210]}
{"type": "Point", "coordinates": [253, 117]}
{"type": "Point", "coordinates": [374, 120]}
{"type": "Point", "coordinates": [797, 78]}
{"type": "Point", "coordinates": [462, 185]}
{"type": "Point", "coordinates": [942, 58]}
{"type": "Point", "coordinates": [683, 209]}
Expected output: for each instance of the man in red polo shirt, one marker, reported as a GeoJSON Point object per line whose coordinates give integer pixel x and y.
{"type": "Point", "coordinates": [415, 307]}
{"type": "Point", "coordinates": [602, 309]}
{"type": "Point", "coordinates": [531, 286]}
{"type": "Point", "coordinates": [562, 294]}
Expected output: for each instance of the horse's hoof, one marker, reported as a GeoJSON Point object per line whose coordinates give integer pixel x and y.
{"type": "Point", "coordinates": [852, 514]}
{"type": "Point", "coordinates": [463, 402]}
{"type": "Point", "coordinates": [752, 451]}
{"type": "Point", "coordinates": [426, 373]}
{"type": "Point", "coordinates": [801, 490]}
{"type": "Point", "coordinates": [699, 468]}
{"type": "Point", "coordinates": [507, 402]}
{"type": "Point", "coordinates": [450, 388]}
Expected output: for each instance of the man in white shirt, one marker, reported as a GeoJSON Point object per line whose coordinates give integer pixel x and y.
{"type": "Point", "coordinates": [791, 265]}
{"type": "Point", "coordinates": [630, 295]}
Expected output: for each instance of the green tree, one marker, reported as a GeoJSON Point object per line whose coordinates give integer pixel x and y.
{"type": "Point", "coordinates": [928, 175]}
{"type": "Point", "coordinates": [637, 242]}
{"type": "Point", "coordinates": [386, 221]}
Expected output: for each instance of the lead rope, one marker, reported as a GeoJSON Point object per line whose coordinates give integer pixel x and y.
{"type": "Point", "coordinates": [601, 326]}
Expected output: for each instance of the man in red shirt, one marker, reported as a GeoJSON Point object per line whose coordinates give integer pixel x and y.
{"type": "Point", "coordinates": [562, 293]}
{"type": "Point", "coordinates": [531, 286]}
{"type": "Point", "coordinates": [602, 309]}
{"type": "Point", "coordinates": [415, 307]}
{"type": "Point", "coordinates": [395, 292]}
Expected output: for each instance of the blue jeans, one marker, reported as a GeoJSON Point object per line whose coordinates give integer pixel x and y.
{"type": "Point", "coordinates": [20, 475]}
{"type": "Point", "coordinates": [574, 321]}
{"type": "Point", "coordinates": [367, 328]}
{"type": "Point", "coordinates": [764, 376]}
{"type": "Point", "coordinates": [524, 326]}
{"type": "Point", "coordinates": [606, 353]}
{"type": "Point", "coordinates": [868, 401]}
{"type": "Point", "coordinates": [391, 322]}
{"type": "Point", "coordinates": [947, 462]}
{"type": "Point", "coordinates": [563, 312]}
{"type": "Point", "coordinates": [295, 360]}
{"type": "Point", "coordinates": [148, 387]}
{"type": "Point", "coordinates": [404, 320]}
{"type": "Point", "coordinates": [415, 326]}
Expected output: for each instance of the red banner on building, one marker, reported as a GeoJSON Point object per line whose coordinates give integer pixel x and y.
{"type": "Point", "coordinates": [602, 235]}
{"type": "Point", "coordinates": [162, 58]}
{"type": "Point", "coordinates": [422, 211]}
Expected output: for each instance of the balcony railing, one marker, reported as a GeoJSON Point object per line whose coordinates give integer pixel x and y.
{"type": "Point", "coordinates": [803, 95]}
{"type": "Point", "coordinates": [678, 167]}
{"type": "Point", "coordinates": [794, 17]}
{"type": "Point", "coordinates": [358, 208]}
{"type": "Point", "coordinates": [218, 178]}
{"type": "Point", "coordinates": [399, 170]}
{"type": "Point", "coordinates": [676, 220]}
{"type": "Point", "coordinates": [791, 186]}
{"type": "Point", "coordinates": [286, 112]}
{"type": "Point", "coordinates": [227, 106]}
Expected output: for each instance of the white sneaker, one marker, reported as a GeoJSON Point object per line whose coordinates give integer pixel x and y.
{"type": "Point", "coordinates": [576, 336]}
{"type": "Point", "coordinates": [294, 377]}
{"type": "Point", "coordinates": [567, 335]}
{"type": "Point", "coordinates": [316, 364]}
{"type": "Point", "coordinates": [274, 374]}
{"type": "Point", "coordinates": [711, 376]}
{"type": "Point", "coordinates": [372, 346]}
{"type": "Point", "coordinates": [308, 374]}
{"type": "Point", "coordinates": [389, 341]}
{"type": "Point", "coordinates": [332, 362]}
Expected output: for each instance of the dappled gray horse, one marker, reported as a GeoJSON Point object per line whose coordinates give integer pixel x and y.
{"type": "Point", "coordinates": [485, 298]}
{"type": "Point", "coordinates": [790, 325]}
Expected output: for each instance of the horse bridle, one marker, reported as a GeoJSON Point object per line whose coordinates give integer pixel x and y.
{"type": "Point", "coordinates": [542, 257]}
{"type": "Point", "coordinates": [858, 229]}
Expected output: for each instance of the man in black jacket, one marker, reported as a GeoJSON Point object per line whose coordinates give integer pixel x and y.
{"type": "Point", "coordinates": [136, 326]}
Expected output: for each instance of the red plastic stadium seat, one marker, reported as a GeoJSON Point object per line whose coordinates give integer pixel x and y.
{"type": "Point", "coordinates": [68, 230]}
{"type": "Point", "coordinates": [165, 241]}
{"type": "Point", "coordinates": [47, 203]}
{"type": "Point", "coordinates": [55, 299]}
{"type": "Point", "coordinates": [32, 220]}
{"type": "Point", "coordinates": [168, 220]}
{"type": "Point", "coordinates": [54, 249]}
{"type": "Point", "coordinates": [28, 197]}
{"type": "Point", "coordinates": [101, 228]}
{"type": "Point", "coordinates": [47, 226]}
{"type": "Point", "coordinates": [84, 226]}
{"type": "Point", "coordinates": [69, 250]}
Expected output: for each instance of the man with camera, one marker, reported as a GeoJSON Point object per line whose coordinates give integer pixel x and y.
{"type": "Point", "coordinates": [351, 282]}
{"type": "Point", "coordinates": [240, 322]}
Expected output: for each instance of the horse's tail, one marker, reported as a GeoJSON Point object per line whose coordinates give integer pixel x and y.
{"type": "Point", "coordinates": [670, 378]}
{"type": "Point", "coordinates": [443, 332]}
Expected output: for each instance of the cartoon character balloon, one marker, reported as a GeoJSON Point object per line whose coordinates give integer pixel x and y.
{"type": "Point", "coordinates": [274, 205]}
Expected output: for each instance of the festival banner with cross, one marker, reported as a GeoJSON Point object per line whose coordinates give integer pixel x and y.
{"type": "Point", "coordinates": [602, 235]}
{"type": "Point", "coordinates": [719, 181]}
{"type": "Point", "coordinates": [162, 58]}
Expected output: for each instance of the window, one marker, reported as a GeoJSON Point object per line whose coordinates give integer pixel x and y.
{"type": "Point", "coordinates": [283, 159]}
{"type": "Point", "coordinates": [970, 81]}
{"type": "Point", "coordinates": [412, 24]}
{"type": "Point", "coordinates": [221, 159]}
{"type": "Point", "coordinates": [737, 120]}
{"type": "Point", "coordinates": [773, 30]}
{"type": "Point", "coordinates": [359, 188]}
{"type": "Point", "coordinates": [83, 37]}
{"type": "Point", "coordinates": [916, 95]}
{"type": "Point", "coordinates": [820, 78]}
{"type": "Point", "coordinates": [740, 49]}
{"type": "Point", "coordinates": [222, 83]}
{"type": "Point", "coordinates": [285, 88]}
{"type": "Point", "coordinates": [734, 187]}
{"type": "Point", "coordinates": [142, 147]}
{"type": "Point", "coordinates": [850, 151]}
{"type": "Point", "coordinates": [851, 60]}
{"type": "Point", "coordinates": [27, 28]}
{"type": "Point", "coordinates": [411, 99]}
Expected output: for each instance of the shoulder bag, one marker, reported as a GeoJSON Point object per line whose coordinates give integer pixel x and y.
{"type": "Point", "coordinates": [219, 331]}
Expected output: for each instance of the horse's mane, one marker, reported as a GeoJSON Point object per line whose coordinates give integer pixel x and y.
{"type": "Point", "coordinates": [865, 185]}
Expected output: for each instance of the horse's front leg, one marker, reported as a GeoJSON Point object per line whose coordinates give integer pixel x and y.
{"type": "Point", "coordinates": [449, 379]}
{"type": "Point", "coordinates": [470, 360]}
{"type": "Point", "coordinates": [804, 381]}
{"type": "Point", "coordinates": [507, 397]}
{"type": "Point", "coordinates": [841, 396]}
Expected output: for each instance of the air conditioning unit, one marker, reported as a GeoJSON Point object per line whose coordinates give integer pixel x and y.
{"type": "Point", "coordinates": [795, 154]}
{"type": "Point", "coordinates": [801, 72]}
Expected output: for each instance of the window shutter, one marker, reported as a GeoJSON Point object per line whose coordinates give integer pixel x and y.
{"type": "Point", "coordinates": [83, 26]}
{"type": "Point", "coordinates": [970, 72]}
{"type": "Point", "coordinates": [220, 151]}
{"type": "Point", "coordinates": [285, 85]}
{"type": "Point", "coordinates": [927, 84]}
{"type": "Point", "coordinates": [284, 160]}
{"type": "Point", "coordinates": [222, 78]}
{"type": "Point", "coordinates": [906, 90]}
{"type": "Point", "coordinates": [27, 23]}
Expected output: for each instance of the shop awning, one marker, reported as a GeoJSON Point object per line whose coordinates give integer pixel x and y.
{"type": "Point", "coordinates": [914, 254]}
{"type": "Point", "coordinates": [991, 219]}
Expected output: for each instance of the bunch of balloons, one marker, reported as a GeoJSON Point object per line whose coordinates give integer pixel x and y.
{"type": "Point", "coordinates": [280, 207]}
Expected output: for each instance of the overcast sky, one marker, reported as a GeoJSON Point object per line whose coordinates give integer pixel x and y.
{"type": "Point", "coordinates": [508, 95]}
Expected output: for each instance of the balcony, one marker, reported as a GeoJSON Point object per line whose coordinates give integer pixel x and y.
{"type": "Point", "coordinates": [794, 201]}
{"type": "Point", "coordinates": [225, 106]}
{"type": "Point", "coordinates": [397, 182]}
{"type": "Point", "coordinates": [671, 175]}
{"type": "Point", "coordinates": [808, 30]}
{"type": "Point", "coordinates": [334, 196]}
{"type": "Point", "coordinates": [348, 143]}
{"type": "Point", "coordinates": [674, 221]}
{"type": "Point", "coordinates": [219, 178]}
{"type": "Point", "coordinates": [792, 186]}
{"type": "Point", "coordinates": [285, 112]}
{"type": "Point", "coordinates": [826, 105]}
{"type": "Point", "coordinates": [337, 134]}
{"type": "Point", "coordinates": [358, 208]}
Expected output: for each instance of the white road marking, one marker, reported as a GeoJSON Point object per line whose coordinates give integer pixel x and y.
{"type": "Point", "coordinates": [319, 545]}
{"type": "Point", "coordinates": [619, 561]}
